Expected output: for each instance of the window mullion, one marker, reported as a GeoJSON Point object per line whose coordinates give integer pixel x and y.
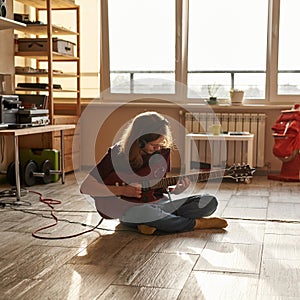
{"type": "Point", "coordinates": [182, 18]}
{"type": "Point", "coordinates": [272, 51]}
{"type": "Point", "coordinates": [104, 48]}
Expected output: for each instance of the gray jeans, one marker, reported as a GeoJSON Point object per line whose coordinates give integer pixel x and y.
{"type": "Point", "coordinates": [171, 216]}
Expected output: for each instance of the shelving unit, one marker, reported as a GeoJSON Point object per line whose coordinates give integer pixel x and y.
{"type": "Point", "coordinates": [50, 57]}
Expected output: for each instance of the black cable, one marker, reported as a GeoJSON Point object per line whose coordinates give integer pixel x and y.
{"type": "Point", "coordinates": [14, 203]}
{"type": "Point", "coordinates": [2, 148]}
{"type": "Point", "coordinates": [12, 193]}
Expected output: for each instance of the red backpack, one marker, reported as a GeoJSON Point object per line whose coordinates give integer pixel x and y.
{"type": "Point", "coordinates": [287, 134]}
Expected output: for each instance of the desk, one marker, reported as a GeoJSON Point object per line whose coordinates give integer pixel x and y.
{"type": "Point", "coordinates": [15, 133]}
{"type": "Point", "coordinates": [217, 138]}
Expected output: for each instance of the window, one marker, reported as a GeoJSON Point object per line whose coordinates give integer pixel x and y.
{"type": "Point", "coordinates": [289, 49]}
{"type": "Point", "coordinates": [204, 45]}
{"type": "Point", "coordinates": [227, 48]}
{"type": "Point", "coordinates": [141, 45]}
{"type": "Point", "coordinates": [90, 48]}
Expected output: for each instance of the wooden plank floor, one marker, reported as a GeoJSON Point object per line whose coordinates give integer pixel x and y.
{"type": "Point", "coordinates": [256, 257]}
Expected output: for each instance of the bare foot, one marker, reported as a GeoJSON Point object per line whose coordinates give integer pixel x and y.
{"type": "Point", "coordinates": [145, 229]}
{"type": "Point", "coordinates": [206, 223]}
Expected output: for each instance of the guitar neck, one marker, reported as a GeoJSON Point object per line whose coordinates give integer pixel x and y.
{"type": "Point", "coordinates": [199, 177]}
{"type": "Point", "coordinates": [238, 173]}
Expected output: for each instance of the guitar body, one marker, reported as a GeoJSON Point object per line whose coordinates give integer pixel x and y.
{"type": "Point", "coordinates": [115, 206]}
{"type": "Point", "coordinates": [143, 177]}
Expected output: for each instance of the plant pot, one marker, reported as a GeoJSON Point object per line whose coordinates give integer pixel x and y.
{"type": "Point", "coordinates": [236, 97]}
{"type": "Point", "coordinates": [212, 100]}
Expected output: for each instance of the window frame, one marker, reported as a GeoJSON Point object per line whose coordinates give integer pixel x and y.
{"type": "Point", "coordinates": [181, 52]}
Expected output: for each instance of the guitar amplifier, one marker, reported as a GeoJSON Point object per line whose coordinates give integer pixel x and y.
{"type": "Point", "coordinates": [34, 120]}
{"type": "Point", "coordinates": [34, 117]}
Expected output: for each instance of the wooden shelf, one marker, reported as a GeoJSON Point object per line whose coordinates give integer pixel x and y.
{"type": "Point", "coordinates": [41, 29]}
{"type": "Point", "coordinates": [61, 75]}
{"type": "Point", "coordinates": [57, 4]}
{"type": "Point", "coordinates": [44, 56]}
{"type": "Point", "coordinates": [45, 90]}
{"type": "Point", "coordinates": [11, 24]}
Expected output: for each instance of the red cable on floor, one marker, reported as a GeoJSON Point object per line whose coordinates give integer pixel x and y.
{"type": "Point", "coordinates": [50, 203]}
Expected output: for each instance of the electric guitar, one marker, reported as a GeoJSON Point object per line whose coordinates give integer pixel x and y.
{"type": "Point", "coordinates": [114, 207]}
{"type": "Point", "coordinates": [240, 173]}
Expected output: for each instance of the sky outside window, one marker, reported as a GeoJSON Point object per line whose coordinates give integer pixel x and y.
{"type": "Point", "coordinates": [289, 48]}
{"type": "Point", "coordinates": [142, 38]}
{"type": "Point", "coordinates": [227, 35]}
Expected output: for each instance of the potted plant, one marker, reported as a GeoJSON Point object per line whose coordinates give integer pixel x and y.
{"type": "Point", "coordinates": [212, 92]}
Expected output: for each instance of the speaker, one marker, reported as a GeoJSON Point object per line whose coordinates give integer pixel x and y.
{"type": "Point", "coordinates": [2, 8]}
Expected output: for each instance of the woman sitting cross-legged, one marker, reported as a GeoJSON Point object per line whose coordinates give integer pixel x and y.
{"type": "Point", "coordinates": [130, 183]}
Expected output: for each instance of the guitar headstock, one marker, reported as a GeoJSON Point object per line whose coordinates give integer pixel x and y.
{"type": "Point", "coordinates": [240, 173]}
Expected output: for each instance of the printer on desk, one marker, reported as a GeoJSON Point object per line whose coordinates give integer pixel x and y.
{"type": "Point", "coordinates": [14, 114]}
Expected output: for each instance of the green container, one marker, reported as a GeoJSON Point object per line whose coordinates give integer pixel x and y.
{"type": "Point", "coordinates": [40, 156]}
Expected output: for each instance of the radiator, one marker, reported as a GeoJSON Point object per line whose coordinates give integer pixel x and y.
{"type": "Point", "coordinates": [251, 122]}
